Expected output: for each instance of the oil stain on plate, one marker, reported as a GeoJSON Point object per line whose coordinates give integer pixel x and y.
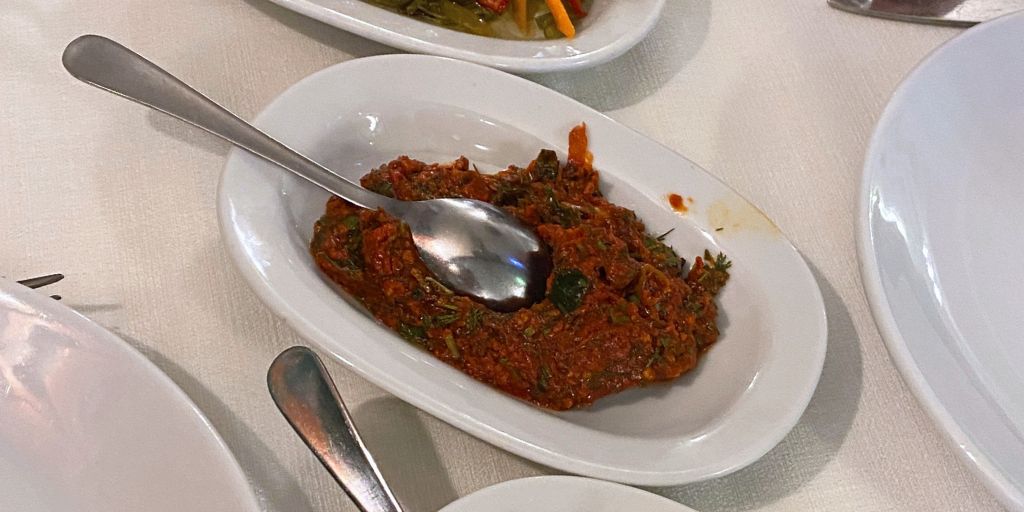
{"type": "Point", "coordinates": [727, 216]}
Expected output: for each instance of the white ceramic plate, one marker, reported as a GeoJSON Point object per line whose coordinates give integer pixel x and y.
{"type": "Point", "coordinates": [88, 424]}
{"type": "Point", "coordinates": [562, 494]}
{"type": "Point", "coordinates": [940, 244]}
{"type": "Point", "coordinates": [611, 28]}
{"type": "Point", "coordinates": [744, 398]}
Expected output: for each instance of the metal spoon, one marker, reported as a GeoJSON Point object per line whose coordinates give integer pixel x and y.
{"type": "Point", "coordinates": [305, 394]}
{"type": "Point", "coordinates": [472, 247]}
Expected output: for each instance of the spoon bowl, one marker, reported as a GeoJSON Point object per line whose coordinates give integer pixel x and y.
{"type": "Point", "coordinates": [480, 250]}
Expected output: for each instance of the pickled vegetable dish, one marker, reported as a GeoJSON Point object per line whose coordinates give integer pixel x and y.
{"type": "Point", "coordinates": [622, 309]}
{"type": "Point", "coordinates": [506, 19]}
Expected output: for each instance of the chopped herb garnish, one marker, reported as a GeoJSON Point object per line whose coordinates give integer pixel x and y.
{"type": "Point", "coordinates": [351, 222]}
{"type": "Point", "coordinates": [353, 244]}
{"type": "Point", "coordinates": [414, 333]}
{"type": "Point", "coordinates": [721, 262]}
{"type": "Point", "coordinates": [443, 320]}
{"type": "Point", "coordinates": [339, 265]}
{"type": "Point", "coordinates": [383, 188]}
{"type": "Point", "coordinates": [716, 272]}
{"type": "Point", "coordinates": [659, 351]}
{"type": "Point", "coordinates": [719, 229]}
{"type": "Point", "coordinates": [546, 165]}
{"type": "Point", "coordinates": [474, 318]}
{"type": "Point", "coordinates": [693, 306]}
{"type": "Point", "coordinates": [662, 236]}
{"type": "Point", "coordinates": [542, 378]}
{"type": "Point", "coordinates": [529, 331]}
{"type": "Point", "coordinates": [507, 194]}
{"type": "Point", "coordinates": [444, 289]}
{"type": "Point", "coordinates": [453, 349]}
{"type": "Point", "coordinates": [566, 215]}
{"type": "Point", "coordinates": [567, 289]}
{"type": "Point", "coordinates": [661, 251]}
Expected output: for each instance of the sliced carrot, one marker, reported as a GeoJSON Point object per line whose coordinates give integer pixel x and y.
{"type": "Point", "coordinates": [562, 20]}
{"type": "Point", "coordinates": [579, 154]}
{"type": "Point", "coordinates": [521, 20]}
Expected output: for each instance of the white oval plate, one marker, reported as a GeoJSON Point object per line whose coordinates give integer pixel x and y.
{"type": "Point", "coordinates": [562, 494]}
{"type": "Point", "coordinates": [611, 28]}
{"type": "Point", "coordinates": [744, 398]}
{"type": "Point", "coordinates": [88, 424]}
{"type": "Point", "coordinates": [940, 243]}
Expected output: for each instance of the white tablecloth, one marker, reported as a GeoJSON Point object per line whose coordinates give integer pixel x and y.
{"type": "Point", "coordinates": [776, 97]}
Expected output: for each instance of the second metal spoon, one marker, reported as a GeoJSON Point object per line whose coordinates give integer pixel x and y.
{"type": "Point", "coordinates": [306, 396]}
{"type": "Point", "coordinates": [471, 246]}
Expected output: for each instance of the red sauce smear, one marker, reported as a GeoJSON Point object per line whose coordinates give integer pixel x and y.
{"type": "Point", "coordinates": [621, 308]}
{"type": "Point", "coordinates": [677, 203]}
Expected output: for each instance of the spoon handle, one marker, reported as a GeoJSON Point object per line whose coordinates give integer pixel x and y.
{"type": "Point", "coordinates": [305, 394]}
{"type": "Point", "coordinates": [106, 64]}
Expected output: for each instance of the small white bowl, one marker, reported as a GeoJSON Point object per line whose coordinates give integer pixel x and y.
{"type": "Point", "coordinates": [748, 391]}
{"type": "Point", "coordinates": [609, 29]}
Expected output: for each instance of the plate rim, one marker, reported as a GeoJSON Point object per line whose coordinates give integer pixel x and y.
{"type": "Point", "coordinates": [507, 486]}
{"type": "Point", "coordinates": [956, 438]}
{"type": "Point", "coordinates": [368, 30]}
{"type": "Point", "coordinates": [101, 335]}
{"type": "Point", "coordinates": [782, 425]}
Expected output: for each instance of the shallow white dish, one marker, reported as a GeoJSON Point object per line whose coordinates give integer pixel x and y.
{"type": "Point", "coordinates": [611, 28]}
{"type": "Point", "coordinates": [89, 424]}
{"type": "Point", "coordinates": [562, 494]}
{"type": "Point", "coordinates": [746, 395]}
{"type": "Point", "coordinates": [940, 243]}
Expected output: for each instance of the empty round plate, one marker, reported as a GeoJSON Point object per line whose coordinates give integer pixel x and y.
{"type": "Point", "coordinates": [89, 424]}
{"type": "Point", "coordinates": [940, 244]}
